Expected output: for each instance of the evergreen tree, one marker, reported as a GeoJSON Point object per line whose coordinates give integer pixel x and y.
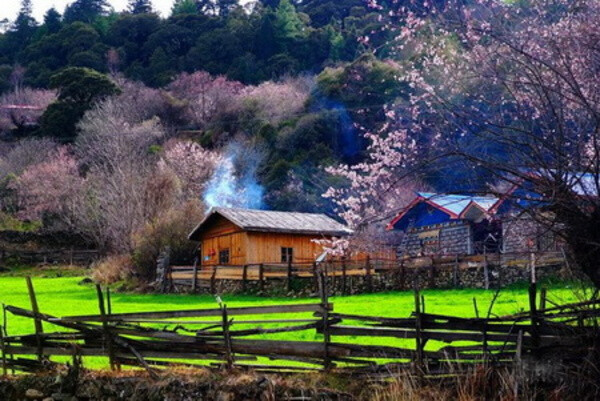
{"type": "Point", "coordinates": [225, 6]}
{"type": "Point", "coordinates": [85, 10]}
{"type": "Point", "coordinates": [52, 20]}
{"type": "Point", "coordinates": [25, 24]}
{"type": "Point", "coordinates": [78, 89]}
{"type": "Point", "coordinates": [140, 6]}
{"type": "Point", "coordinates": [184, 7]}
{"type": "Point", "coordinates": [288, 24]}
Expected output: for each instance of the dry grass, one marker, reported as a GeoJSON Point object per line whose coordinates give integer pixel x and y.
{"type": "Point", "coordinates": [113, 269]}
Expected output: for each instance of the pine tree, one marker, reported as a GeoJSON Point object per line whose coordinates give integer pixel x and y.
{"type": "Point", "coordinates": [140, 6]}
{"type": "Point", "coordinates": [184, 7]}
{"type": "Point", "coordinates": [85, 10]}
{"type": "Point", "coordinates": [225, 6]}
{"type": "Point", "coordinates": [25, 23]}
{"type": "Point", "coordinates": [52, 20]}
{"type": "Point", "coordinates": [288, 24]}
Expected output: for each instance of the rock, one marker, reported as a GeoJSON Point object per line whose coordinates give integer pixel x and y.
{"type": "Point", "coordinates": [86, 280]}
{"type": "Point", "coordinates": [48, 399]}
{"type": "Point", "coordinates": [33, 394]}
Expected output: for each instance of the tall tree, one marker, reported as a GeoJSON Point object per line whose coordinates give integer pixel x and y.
{"type": "Point", "coordinates": [78, 89]}
{"type": "Point", "coordinates": [23, 27]}
{"type": "Point", "coordinates": [181, 7]}
{"type": "Point", "coordinates": [288, 24]}
{"type": "Point", "coordinates": [52, 20]}
{"type": "Point", "coordinates": [225, 6]}
{"type": "Point", "coordinates": [85, 10]}
{"type": "Point", "coordinates": [140, 6]}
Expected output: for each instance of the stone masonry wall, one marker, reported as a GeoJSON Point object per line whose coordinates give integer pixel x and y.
{"type": "Point", "coordinates": [400, 279]}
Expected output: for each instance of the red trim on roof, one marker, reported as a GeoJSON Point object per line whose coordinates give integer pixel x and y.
{"type": "Point", "coordinates": [414, 203]}
{"type": "Point", "coordinates": [400, 215]}
{"type": "Point", "coordinates": [443, 209]}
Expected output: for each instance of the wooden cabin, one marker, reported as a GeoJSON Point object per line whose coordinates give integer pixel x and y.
{"type": "Point", "coordinates": [230, 236]}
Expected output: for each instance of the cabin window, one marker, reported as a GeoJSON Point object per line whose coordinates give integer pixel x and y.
{"type": "Point", "coordinates": [287, 255]}
{"type": "Point", "coordinates": [224, 256]}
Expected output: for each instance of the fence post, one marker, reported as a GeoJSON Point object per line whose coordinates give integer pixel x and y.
{"type": "Point", "coordinates": [195, 277]}
{"type": "Point", "coordinates": [535, 339]}
{"type": "Point", "coordinates": [402, 275]}
{"type": "Point", "coordinates": [432, 274]}
{"type": "Point", "coordinates": [107, 335]}
{"type": "Point", "coordinates": [227, 338]}
{"type": "Point", "coordinates": [325, 307]}
{"type": "Point", "coordinates": [315, 277]}
{"type": "Point", "coordinates": [486, 273]}
{"type": "Point", "coordinates": [261, 276]}
{"type": "Point", "coordinates": [213, 278]}
{"type": "Point", "coordinates": [344, 278]}
{"type": "Point", "coordinates": [5, 333]}
{"type": "Point", "coordinates": [3, 350]}
{"type": "Point", "coordinates": [369, 277]}
{"type": "Point", "coordinates": [289, 275]}
{"type": "Point", "coordinates": [543, 298]}
{"type": "Point", "coordinates": [418, 334]}
{"type": "Point", "coordinates": [244, 277]}
{"type": "Point", "coordinates": [39, 329]}
{"type": "Point", "coordinates": [455, 272]}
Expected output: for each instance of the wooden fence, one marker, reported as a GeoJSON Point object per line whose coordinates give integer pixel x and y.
{"type": "Point", "coordinates": [341, 270]}
{"type": "Point", "coordinates": [50, 256]}
{"type": "Point", "coordinates": [432, 344]}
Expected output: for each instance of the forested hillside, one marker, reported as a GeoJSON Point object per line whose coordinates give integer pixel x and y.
{"type": "Point", "coordinates": [124, 128]}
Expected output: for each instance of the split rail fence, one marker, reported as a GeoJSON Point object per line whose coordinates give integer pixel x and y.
{"type": "Point", "coordinates": [341, 271]}
{"type": "Point", "coordinates": [428, 343]}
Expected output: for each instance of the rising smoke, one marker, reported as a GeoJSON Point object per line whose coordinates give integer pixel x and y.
{"type": "Point", "coordinates": [234, 183]}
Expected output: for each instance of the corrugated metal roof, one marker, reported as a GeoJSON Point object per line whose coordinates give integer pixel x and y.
{"type": "Point", "coordinates": [457, 203]}
{"type": "Point", "coordinates": [283, 222]}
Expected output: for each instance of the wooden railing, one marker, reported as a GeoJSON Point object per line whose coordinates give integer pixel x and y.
{"type": "Point", "coordinates": [207, 276]}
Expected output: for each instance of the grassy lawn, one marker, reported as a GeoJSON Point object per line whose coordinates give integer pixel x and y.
{"type": "Point", "coordinates": [64, 296]}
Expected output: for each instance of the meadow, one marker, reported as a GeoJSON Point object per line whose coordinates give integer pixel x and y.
{"type": "Point", "coordinates": [64, 296]}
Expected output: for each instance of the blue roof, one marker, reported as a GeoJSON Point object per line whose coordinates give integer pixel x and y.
{"type": "Point", "coordinates": [431, 208]}
{"type": "Point", "coordinates": [458, 203]}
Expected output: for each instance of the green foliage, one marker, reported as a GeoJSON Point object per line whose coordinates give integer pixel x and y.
{"type": "Point", "coordinates": [11, 223]}
{"type": "Point", "coordinates": [82, 85]}
{"type": "Point", "coordinates": [184, 7]}
{"type": "Point", "coordinates": [288, 24]}
{"type": "Point", "coordinates": [140, 6]}
{"type": "Point", "coordinates": [77, 89]}
{"type": "Point", "coordinates": [218, 36]}
{"type": "Point", "coordinates": [85, 10]}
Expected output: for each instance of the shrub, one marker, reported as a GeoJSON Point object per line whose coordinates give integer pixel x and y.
{"type": "Point", "coordinates": [113, 269]}
{"type": "Point", "coordinates": [168, 230]}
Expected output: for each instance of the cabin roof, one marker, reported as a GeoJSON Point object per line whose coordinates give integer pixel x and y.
{"type": "Point", "coordinates": [280, 222]}
{"type": "Point", "coordinates": [455, 206]}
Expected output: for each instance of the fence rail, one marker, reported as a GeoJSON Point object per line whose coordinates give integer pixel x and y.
{"type": "Point", "coordinates": [432, 344]}
{"type": "Point", "coordinates": [342, 270]}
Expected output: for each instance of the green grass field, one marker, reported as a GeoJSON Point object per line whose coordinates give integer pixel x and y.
{"type": "Point", "coordinates": [64, 296]}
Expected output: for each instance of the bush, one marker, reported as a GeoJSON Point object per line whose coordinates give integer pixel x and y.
{"type": "Point", "coordinates": [168, 230]}
{"type": "Point", "coordinates": [113, 269]}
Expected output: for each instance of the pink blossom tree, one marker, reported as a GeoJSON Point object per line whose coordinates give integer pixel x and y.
{"type": "Point", "coordinates": [192, 165]}
{"type": "Point", "coordinates": [521, 79]}
{"type": "Point", "coordinates": [49, 187]}
{"type": "Point", "coordinates": [204, 95]}
{"type": "Point", "coordinates": [23, 107]}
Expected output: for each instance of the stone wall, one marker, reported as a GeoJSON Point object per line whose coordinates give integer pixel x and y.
{"type": "Point", "coordinates": [400, 279]}
{"type": "Point", "coordinates": [442, 239]}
